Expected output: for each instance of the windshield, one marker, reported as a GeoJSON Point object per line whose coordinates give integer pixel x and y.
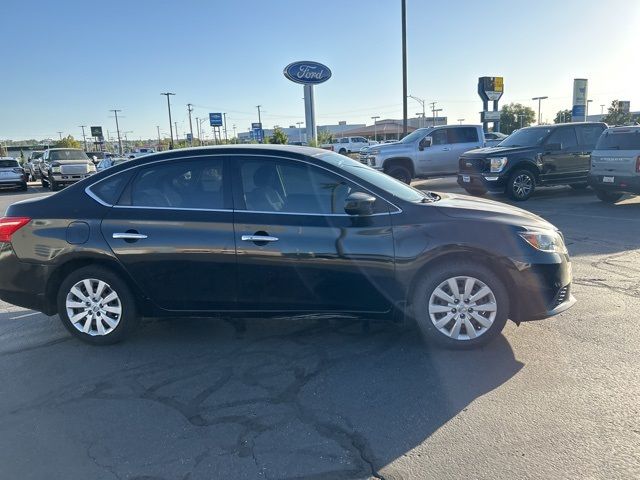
{"type": "Point", "coordinates": [416, 135]}
{"type": "Point", "coordinates": [526, 137]}
{"type": "Point", "coordinates": [376, 178]}
{"type": "Point", "coordinates": [8, 163]}
{"type": "Point", "coordinates": [68, 155]}
{"type": "Point", "coordinates": [619, 140]}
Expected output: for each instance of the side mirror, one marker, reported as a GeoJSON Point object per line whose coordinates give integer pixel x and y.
{"type": "Point", "coordinates": [424, 143]}
{"type": "Point", "coordinates": [359, 203]}
{"type": "Point", "coordinates": [553, 147]}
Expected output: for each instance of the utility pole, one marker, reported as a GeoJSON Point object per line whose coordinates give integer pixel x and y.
{"type": "Point", "coordinates": [299, 132]}
{"type": "Point", "coordinates": [421, 101]}
{"type": "Point", "coordinates": [200, 122]}
{"type": "Point", "coordinates": [433, 113]}
{"type": "Point", "coordinates": [404, 67]}
{"type": "Point", "coordinates": [234, 132]}
{"type": "Point", "coordinates": [259, 118]}
{"type": "Point", "coordinates": [84, 138]}
{"type": "Point", "coordinates": [375, 127]}
{"type": "Point", "coordinates": [198, 130]}
{"type": "Point", "coordinates": [159, 141]}
{"type": "Point", "coordinates": [190, 108]}
{"type": "Point", "coordinates": [115, 112]}
{"type": "Point", "coordinates": [168, 94]}
{"type": "Point", "coordinates": [224, 123]}
{"type": "Point", "coordinates": [539, 99]}
{"type": "Point", "coordinates": [177, 137]}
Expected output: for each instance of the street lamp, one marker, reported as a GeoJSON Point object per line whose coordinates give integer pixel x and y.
{"type": "Point", "coordinates": [168, 94]}
{"type": "Point", "coordinates": [586, 110]}
{"type": "Point", "coordinates": [539, 99]}
{"type": "Point", "coordinates": [602, 109]}
{"type": "Point", "coordinates": [375, 127]}
{"type": "Point", "coordinates": [299, 131]}
{"type": "Point", "coordinates": [435, 114]}
{"type": "Point", "coordinates": [421, 101]}
{"type": "Point", "coordinates": [461, 120]}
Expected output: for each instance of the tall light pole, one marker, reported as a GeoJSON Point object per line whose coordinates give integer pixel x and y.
{"type": "Point", "coordinates": [460, 120]}
{"type": "Point", "coordinates": [190, 109]}
{"type": "Point", "coordinates": [168, 94]}
{"type": "Point", "coordinates": [586, 110]}
{"type": "Point", "coordinates": [259, 118]}
{"type": "Point", "coordinates": [404, 67]}
{"type": "Point", "coordinates": [299, 131]}
{"type": "Point", "coordinates": [115, 112]}
{"type": "Point", "coordinates": [539, 99]}
{"type": "Point", "coordinates": [602, 109]}
{"type": "Point", "coordinates": [177, 138]}
{"type": "Point", "coordinates": [234, 132]}
{"type": "Point", "coordinates": [84, 138]}
{"type": "Point", "coordinates": [435, 115]}
{"type": "Point", "coordinates": [60, 135]}
{"type": "Point", "coordinates": [224, 123]}
{"type": "Point", "coordinates": [421, 101]}
{"type": "Point", "coordinates": [375, 127]}
{"type": "Point", "coordinates": [200, 122]}
{"type": "Point", "coordinates": [521, 116]}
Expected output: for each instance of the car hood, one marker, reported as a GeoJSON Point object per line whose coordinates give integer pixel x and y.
{"type": "Point", "coordinates": [465, 207]}
{"type": "Point", "coordinates": [391, 147]}
{"type": "Point", "coordinates": [495, 151]}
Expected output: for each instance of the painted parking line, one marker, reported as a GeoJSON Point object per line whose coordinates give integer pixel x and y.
{"type": "Point", "coordinates": [25, 315]}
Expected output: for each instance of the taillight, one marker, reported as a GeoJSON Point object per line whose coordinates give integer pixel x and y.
{"type": "Point", "coordinates": [10, 225]}
{"type": "Point", "coordinates": [638, 164]}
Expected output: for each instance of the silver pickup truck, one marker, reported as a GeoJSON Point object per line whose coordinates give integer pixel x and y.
{"type": "Point", "coordinates": [426, 152]}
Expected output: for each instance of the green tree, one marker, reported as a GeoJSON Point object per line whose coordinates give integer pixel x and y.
{"type": "Point", "coordinates": [563, 116]}
{"type": "Point", "coordinates": [278, 137]}
{"type": "Point", "coordinates": [514, 116]}
{"type": "Point", "coordinates": [67, 142]}
{"type": "Point", "coordinates": [324, 136]}
{"type": "Point", "coordinates": [615, 116]}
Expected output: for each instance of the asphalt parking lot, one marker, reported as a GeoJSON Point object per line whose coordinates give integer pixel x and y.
{"type": "Point", "coordinates": [328, 399]}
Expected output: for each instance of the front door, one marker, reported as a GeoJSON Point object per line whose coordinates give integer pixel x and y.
{"type": "Point", "coordinates": [173, 231]}
{"type": "Point", "coordinates": [432, 159]}
{"type": "Point", "coordinates": [561, 157]}
{"type": "Point", "coordinates": [298, 251]}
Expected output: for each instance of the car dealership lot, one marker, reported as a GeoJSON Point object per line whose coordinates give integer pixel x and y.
{"type": "Point", "coordinates": [342, 399]}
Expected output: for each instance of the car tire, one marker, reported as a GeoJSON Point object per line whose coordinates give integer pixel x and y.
{"type": "Point", "coordinates": [54, 186]}
{"type": "Point", "coordinates": [24, 187]}
{"type": "Point", "coordinates": [430, 311]}
{"type": "Point", "coordinates": [521, 185]}
{"type": "Point", "coordinates": [579, 186]}
{"type": "Point", "coordinates": [109, 311]}
{"type": "Point", "coordinates": [476, 192]}
{"type": "Point", "coordinates": [399, 172]}
{"type": "Point", "coordinates": [43, 182]}
{"type": "Point", "coordinates": [342, 151]}
{"type": "Point", "coordinates": [609, 197]}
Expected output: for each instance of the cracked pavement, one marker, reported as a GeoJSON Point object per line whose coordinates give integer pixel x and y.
{"type": "Point", "coordinates": [190, 399]}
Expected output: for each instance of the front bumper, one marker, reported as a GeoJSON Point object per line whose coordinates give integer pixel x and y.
{"type": "Point", "coordinates": [540, 290]}
{"type": "Point", "coordinates": [62, 178]}
{"type": "Point", "coordinates": [493, 182]}
{"type": "Point", "coordinates": [620, 183]}
{"type": "Point", "coordinates": [20, 182]}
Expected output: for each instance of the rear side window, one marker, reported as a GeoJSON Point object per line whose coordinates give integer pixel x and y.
{"type": "Point", "coordinates": [566, 137]}
{"type": "Point", "coordinates": [619, 140]}
{"type": "Point", "coordinates": [588, 135]}
{"type": "Point", "coordinates": [110, 189]}
{"type": "Point", "coordinates": [462, 135]}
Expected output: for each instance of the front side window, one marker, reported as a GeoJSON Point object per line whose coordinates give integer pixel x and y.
{"type": "Point", "coordinates": [270, 185]}
{"type": "Point", "coordinates": [439, 137]}
{"type": "Point", "coordinates": [180, 184]}
{"type": "Point", "coordinates": [566, 137]}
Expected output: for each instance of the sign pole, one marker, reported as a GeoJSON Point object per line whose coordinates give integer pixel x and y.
{"type": "Point", "coordinates": [310, 113]}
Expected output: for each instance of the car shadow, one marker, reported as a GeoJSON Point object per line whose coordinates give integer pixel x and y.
{"type": "Point", "coordinates": [275, 398]}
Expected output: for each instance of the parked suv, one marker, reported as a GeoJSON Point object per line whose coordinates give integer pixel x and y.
{"type": "Point", "coordinates": [615, 164]}
{"type": "Point", "coordinates": [425, 152]}
{"type": "Point", "coordinates": [530, 157]}
{"type": "Point", "coordinates": [12, 174]}
{"type": "Point", "coordinates": [64, 166]}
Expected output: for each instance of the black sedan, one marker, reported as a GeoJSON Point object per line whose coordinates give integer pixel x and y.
{"type": "Point", "coordinates": [273, 231]}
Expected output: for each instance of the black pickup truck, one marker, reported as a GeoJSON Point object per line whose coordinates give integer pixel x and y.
{"type": "Point", "coordinates": [531, 157]}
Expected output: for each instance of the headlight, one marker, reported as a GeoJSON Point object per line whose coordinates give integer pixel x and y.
{"type": "Point", "coordinates": [91, 168]}
{"type": "Point", "coordinates": [545, 240]}
{"type": "Point", "coordinates": [374, 151]}
{"type": "Point", "coordinates": [56, 169]}
{"type": "Point", "coordinates": [497, 164]}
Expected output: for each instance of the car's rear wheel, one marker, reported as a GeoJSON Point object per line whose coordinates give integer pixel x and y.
{"type": "Point", "coordinates": [521, 185]}
{"type": "Point", "coordinates": [609, 197]}
{"type": "Point", "coordinates": [399, 172]}
{"type": "Point", "coordinates": [460, 305]}
{"type": "Point", "coordinates": [96, 306]}
{"type": "Point", "coordinates": [54, 186]}
{"type": "Point", "coordinates": [342, 151]}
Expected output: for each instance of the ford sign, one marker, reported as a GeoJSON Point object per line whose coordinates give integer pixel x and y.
{"type": "Point", "coordinates": [307, 73]}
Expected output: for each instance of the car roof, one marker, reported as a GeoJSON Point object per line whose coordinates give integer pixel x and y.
{"type": "Point", "coordinates": [65, 148]}
{"type": "Point", "coordinates": [630, 128]}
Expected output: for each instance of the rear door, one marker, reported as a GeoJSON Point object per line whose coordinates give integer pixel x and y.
{"type": "Point", "coordinates": [298, 251]}
{"type": "Point", "coordinates": [461, 139]}
{"type": "Point", "coordinates": [172, 230]}
{"type": "Point", "coordinates": [561, 158]}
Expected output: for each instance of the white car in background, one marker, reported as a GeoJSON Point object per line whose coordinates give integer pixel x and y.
{"type": "Point", "coordinates": [347, 145]}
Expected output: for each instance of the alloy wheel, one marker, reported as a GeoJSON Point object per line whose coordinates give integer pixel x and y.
{"type": "Point", "coordinates": [93, 307]}
{"type": "Point", "coordinates": [522, 185]}
{"type": "Point", "coordinates": [462, 308]}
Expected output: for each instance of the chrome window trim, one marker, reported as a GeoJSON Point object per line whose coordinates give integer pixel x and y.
{"type": "Point", "coordinates": [191, 157]}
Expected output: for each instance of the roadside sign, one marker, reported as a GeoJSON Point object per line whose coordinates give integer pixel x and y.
{"type": "Point", "coordinates": [256, 125]}
{"type": "Point", "coordinates": [491, 88]}
{"type": "Point", "coordinates": [189, 137]}
{"type": "Point", "coordinates": [307, 73]}
{"type": "Point", "coordinates": [490, 116]}
{"type": "Point", "coordinates": [215, 119]}
{"type": "Point", "coordinates": [96, 131]}
{"type": "Point", "coordinates": [580, 95]}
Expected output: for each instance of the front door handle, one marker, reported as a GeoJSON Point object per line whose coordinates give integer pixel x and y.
{"type": "Point", "coordinates": [129, 236]}
{"type": "Point", "coordinates": [445, 149]}
{"type": "Point", "coordinates": [259, 238]}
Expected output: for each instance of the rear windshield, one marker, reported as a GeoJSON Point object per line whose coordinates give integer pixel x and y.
{"type": "Point", "coordinates": [8, 163]}
{"type": "Point", "coordinates": [619, 140]}
{"type": "Point", "coordinates": [68, 155]}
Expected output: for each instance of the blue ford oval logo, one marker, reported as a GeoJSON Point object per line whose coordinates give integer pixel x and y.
{"type": "Point", "coordinates": [307, 73]}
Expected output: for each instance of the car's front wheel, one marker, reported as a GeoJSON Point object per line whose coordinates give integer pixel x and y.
{"type": "Point", "coordinates": [460, 305]}
{"type": "Point", "coordinates": [399, 172]}
{"type": "Point", "coordinates": [96, 306]}
{"type": "Point", "coordinates": [521, 185]}
{"type": "Point", "coordinates": [609, 197]}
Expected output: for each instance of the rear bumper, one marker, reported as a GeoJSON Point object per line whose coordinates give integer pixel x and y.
{"type": "Point", "coordinates": [620, 183]}
{"type": "Point", "coordinates": [492, 182]}
{"type": "Point", "coordinates": [23, 284]}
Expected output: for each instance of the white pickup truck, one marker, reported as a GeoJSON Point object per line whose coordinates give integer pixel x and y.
{"type": "Point", "coordinates": [346, 145]}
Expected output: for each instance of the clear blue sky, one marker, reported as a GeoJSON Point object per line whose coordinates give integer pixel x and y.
{"type": "Point", "coordinates": [67, 63]}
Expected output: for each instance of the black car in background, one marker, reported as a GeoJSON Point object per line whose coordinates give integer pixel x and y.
{"type": "Point", "coordinates": [530, 157]}
{"type": "Point", "coordinates": [272, 231]}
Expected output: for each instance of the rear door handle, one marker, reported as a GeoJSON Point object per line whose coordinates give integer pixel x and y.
{"type": "Point", "coordinates": [129, 236]}
{"type": "Point", "coordinates": [258, 238]}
